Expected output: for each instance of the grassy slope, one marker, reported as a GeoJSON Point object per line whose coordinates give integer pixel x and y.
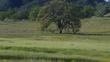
{"type": "Point", "coordinates": [93, 41]}
{"type": "Point", "coordinates": [96, 25]}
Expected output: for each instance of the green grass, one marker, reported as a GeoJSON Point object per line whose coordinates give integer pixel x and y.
{"type": "Point", "coordinates": [24, 41]}
{"type": "Point", "coordinates": [96, 25]}
{"type": "Point", "coordinates": [68, 46]}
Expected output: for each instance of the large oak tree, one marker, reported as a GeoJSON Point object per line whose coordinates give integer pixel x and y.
{"type": "Point", "coordinates": [64, 14]}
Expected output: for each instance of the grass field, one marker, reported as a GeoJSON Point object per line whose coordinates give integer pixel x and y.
{"type": "Point", "coordinates": [23, 42]}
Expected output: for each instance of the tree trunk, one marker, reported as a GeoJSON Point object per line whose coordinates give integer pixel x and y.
{"type": "Point", "coordinates": [60, 31]}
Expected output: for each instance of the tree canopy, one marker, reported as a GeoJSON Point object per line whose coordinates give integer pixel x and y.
{"type": "Point", "coordinates": [62, 13]}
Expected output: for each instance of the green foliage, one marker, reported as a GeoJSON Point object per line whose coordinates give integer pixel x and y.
{"type": "Point", "coordinates": [88, 11]}
{"type": "Point", "coordinates": [5, 14]}
{"type": "Point", "coordinates": [34, 13]}
{"type": "Point", "coordinates": [2, 15]}
{"type": "Point", "coordinates": [63, 14]}
{"type": "Point", "coordinates": [101, 9]}
{"type": "Point", "coordinates": [20, 15]}
{"type": "Point", "coordinates": [88, 6]}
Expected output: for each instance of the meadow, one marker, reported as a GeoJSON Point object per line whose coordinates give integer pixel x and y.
{"type": "Point", "coordinates": [24, 42]}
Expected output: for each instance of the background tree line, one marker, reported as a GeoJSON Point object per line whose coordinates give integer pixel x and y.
{"type": "Point", "coordinates": [28, 9]}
